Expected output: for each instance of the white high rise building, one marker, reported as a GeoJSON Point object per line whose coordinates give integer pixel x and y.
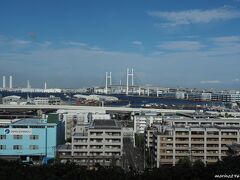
{"type": "Point", "coordinates": [4, 82]}
{"type": "Point", "coordinates": [10, 82]}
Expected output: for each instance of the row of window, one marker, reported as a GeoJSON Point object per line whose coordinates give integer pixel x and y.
{"type": "Point", "coordinates": [19, 147]}
{"type": "Point", "coordinates": [34, 127]}
{"type": "Point", "coordinates": [32, 137]}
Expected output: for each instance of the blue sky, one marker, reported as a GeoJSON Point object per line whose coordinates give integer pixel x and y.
{"type": "Point", "coordinates": [168, 42]}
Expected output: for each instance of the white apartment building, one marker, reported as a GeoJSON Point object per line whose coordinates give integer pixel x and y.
{"type": "Point", "coordinates": [75, 118]}
{"type": "Point", "coordinates": [142, 121]}
{"type": "Point", "coordinates": [100, 142]}
{"type": "Point", "coordinates": [72, 120]}
{"type": "Point", "coordinates": [204, 139]}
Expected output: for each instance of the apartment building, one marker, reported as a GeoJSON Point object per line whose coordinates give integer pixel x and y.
{"type": "Point", "coordinates": [204, 139]}
{"type": "Point", "coordinates": [142, 121]}
{"type": "Point", "coordinates": [73, 119]}
{"type": "Point", "coordinates": [100, 142]}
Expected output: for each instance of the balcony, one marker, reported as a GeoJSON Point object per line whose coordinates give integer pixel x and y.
{"type": "Point", "coordinates": [67, 156]}
{"type": "Point", "coordinates": [182, 154]}
{"type": "Point", "coordinates": [197, 135]}
{"type": "Point", "coordinates": [197, 147]}
{"type": "Point", "coordinates": [182, 135]}
{"type": "Point", "coordinates": [197, 154]}
{"type": "Point", "coordinates": [212, 136]}
{"type": "Point", "coordinates": [212, 160]}
{"type": "Point", "coordinates": [182, 141]}
{"type": "Point", "coordinates": [166, 161]}
{"type": "Point", "coordinates": [114, 150]}
{"type": "Point", "coordinates": [181, 147]}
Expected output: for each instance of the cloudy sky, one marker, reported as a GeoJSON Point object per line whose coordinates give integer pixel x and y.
{"type": "Point", "coordinates": [71, 43]}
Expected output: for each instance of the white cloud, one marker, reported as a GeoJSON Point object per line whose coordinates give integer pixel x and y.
{"type": "Point", "coordinates": [186, 67]}
{"type": "Point", "coordinates": [193, 16]}
{"type": "Point", "coordinates": [156, 53]}
{"type": "Point", "coordinates": [236, 80]}
{"type": "Point", "coordinates": [74, 43]}
{"type": "Point", "coordinates": [19, 43]}
{"type": "Point", "coordinates": [81, 45]}
{"type": "Point", "coordinates": [45, 44]}
{"type": "Point", "coordinates": [181, 45]}
{"type": "Point", "coordinates": [137, 43]}
{"type": "Point", "coordinates": [227, 39]}
{"type": "Point", "coordinates": [15, 43]}
{"type": "Point", "coordinates": [210, 82]}
{"type": "Point", "coordinates": [225, 45]}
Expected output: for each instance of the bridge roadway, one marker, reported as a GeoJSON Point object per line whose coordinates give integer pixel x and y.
{"type": "Point", "coordinates": [91, 108]}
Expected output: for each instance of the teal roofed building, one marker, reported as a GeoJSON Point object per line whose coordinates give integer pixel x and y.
{"type": "Point", "coordinates": [30, 139]}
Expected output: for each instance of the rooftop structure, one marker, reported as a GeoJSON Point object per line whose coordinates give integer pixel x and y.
{"type": "Point", "coordinates": [104, 124]}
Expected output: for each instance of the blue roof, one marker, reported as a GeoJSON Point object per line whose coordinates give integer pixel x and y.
{"type": "Point", "coordinates": [32, 122]}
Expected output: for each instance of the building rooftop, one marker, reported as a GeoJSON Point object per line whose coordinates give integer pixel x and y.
{"type": "Point", "coordinates": [104, 124]}
{"type": "Point", "coordinates": [187, 119]}
{"type": "Point", "coordinates": [31, 122]}
{"type": "Point", "coordinates": [202, 127]}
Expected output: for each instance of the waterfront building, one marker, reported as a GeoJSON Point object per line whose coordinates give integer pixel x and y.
{"type": "Point", "coordinates": [230, 96]}
{"type": "Point", "coordinates": [206, 96]}
{"type": "Point", "coordinates": [41, 101]}
{"type": "Point", "coordinates": [12, 100]}
{"type": "Point", "coordinates": [100, 142]}
{"type": "Point", "coordinates": [204, 139]}
{"type": "Point", "coordinates": [51, 100]}
{"type": "Point", "coordinates": [180, 95]}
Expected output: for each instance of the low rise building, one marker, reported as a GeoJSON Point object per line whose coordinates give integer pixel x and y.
{"type": "Point", "coordinates": [53, 100]}
{"type": "Point", "coordinates": [12, 100]}
{"type": "Point", "coordinates": [29, 139]}
{"type": "Point", "coordinates": [41, 101]}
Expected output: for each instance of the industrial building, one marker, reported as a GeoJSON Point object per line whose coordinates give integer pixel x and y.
{"type": "Point", "coordinates": [100, 142]}
{"type": "Point", "coordinates": [51, 100]}
{"type": "Point", "coordinates": [204, 139]}
{"type": "Point", "coordinates": [12, 100]}
{"type": "Point", "coordinates": [29, 139]}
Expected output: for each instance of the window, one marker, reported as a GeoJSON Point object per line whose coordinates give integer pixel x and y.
{"type": "Point", "coordinates": [50, 126]}
{"type": "Point", "coordinates": [37, 127]}
{"type": "Point", "coordinates": [17, 136]}
{"type": "Point", "coordinates": [33, 147]}
{"type": "Point", "coordinates": [17, 147]}
{"type": "Point", "coordinates": [2, 136]}
{"type": "Point", "coordinates": [19, 127]}
{"type": "Point", "coordinates": [33, 137]}
{"type": "Point", "coordinates": [2, 147]}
